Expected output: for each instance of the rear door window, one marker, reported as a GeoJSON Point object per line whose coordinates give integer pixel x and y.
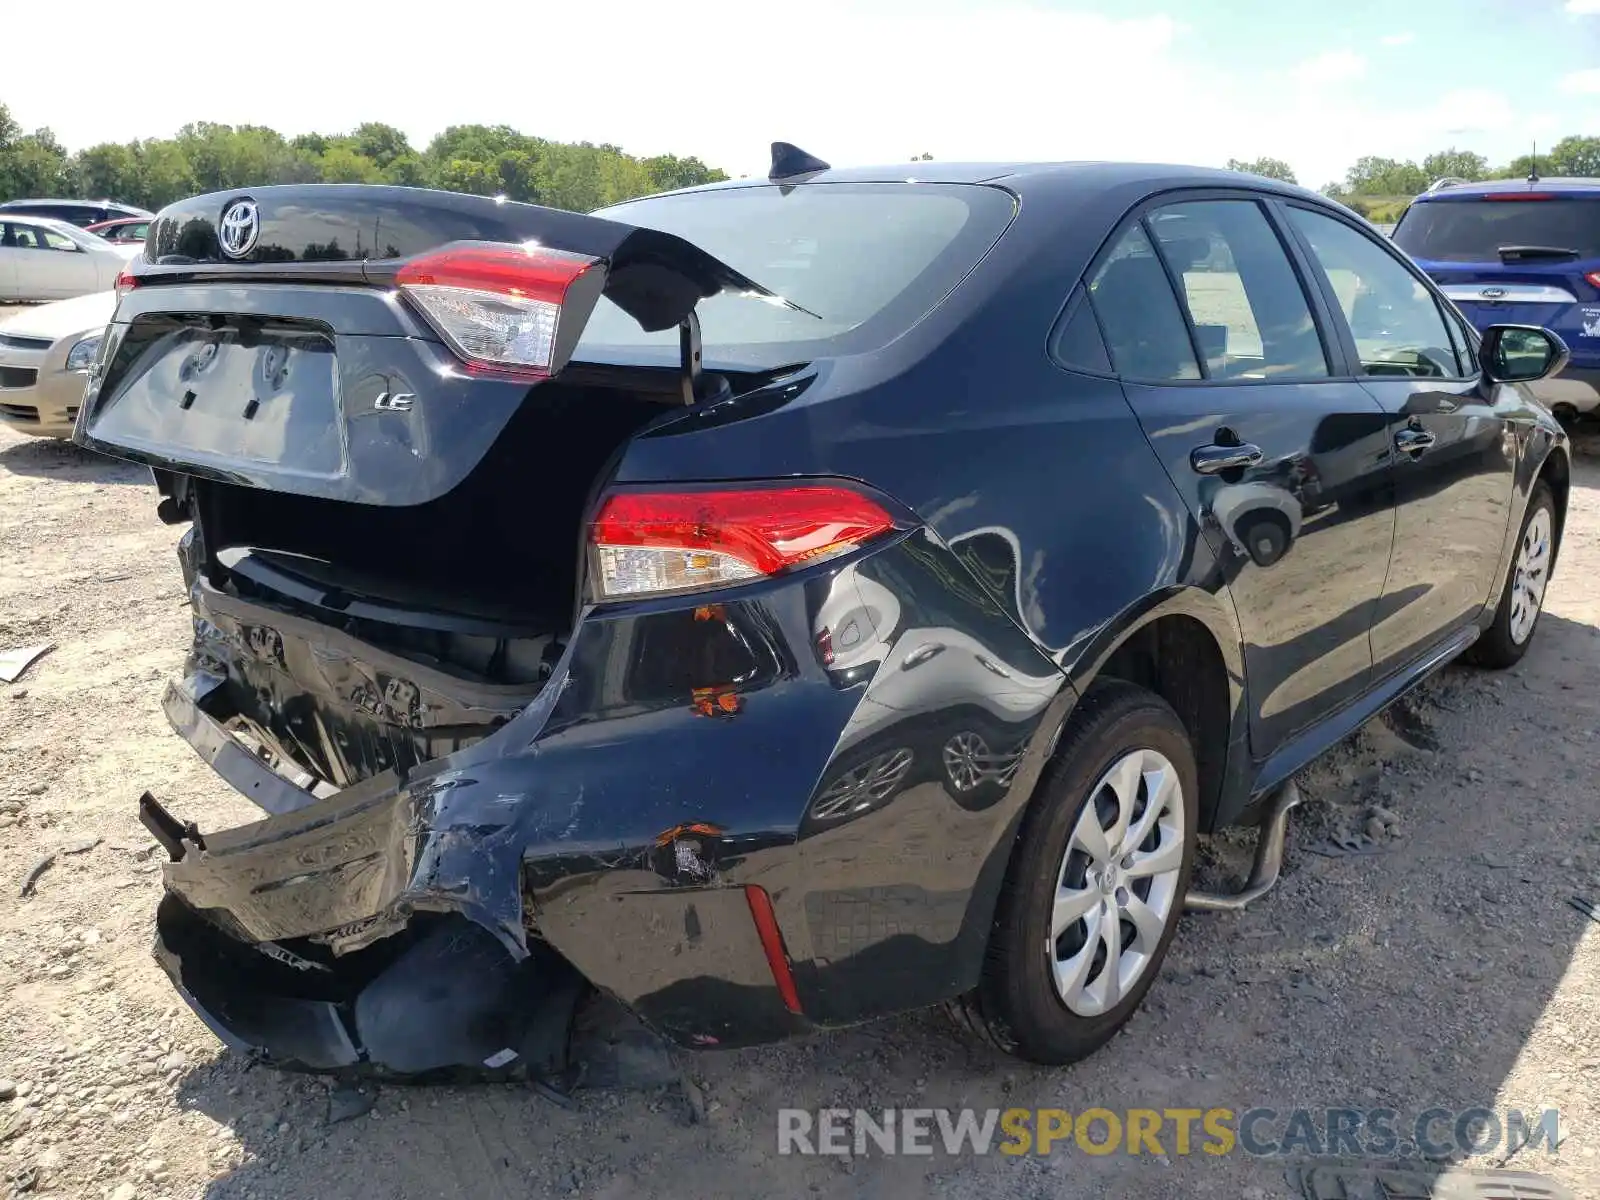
{"type": "Point", "coordinates": [22, 236]}
{"type": "Point", "coordinates": [1139, 314]}
{"type": "Point", "coordinates": [1398, 326]}
{"type": "Point", "coordinates": [1250, 314]}
{"type": "Point", "coordinates": [1474, 230]}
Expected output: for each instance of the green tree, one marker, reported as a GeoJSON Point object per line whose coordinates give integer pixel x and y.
{"type": "Point", "coordinates": [1575, 156]}
{"type": "Point", "coordinates": [1270, 168]}
{"type": "Point", "coordinates": [206, 156]}
{"type": "Point", "coordinates": [668, 172]}
{"type": "Point", "coordinates": [165, 173]}
{"type": "Point", "coordinates": [35, 164]}
{"type": "Point", "coordinates": [409, 170]}
{"type": "Point", "coordinates": [110, 170]}
{"type": "Point", "coordinates": [381, 143]}
{"type": "Point", "coordinates": [342, 164]}
{"type": "Point", "coordinates": [1455, 164]}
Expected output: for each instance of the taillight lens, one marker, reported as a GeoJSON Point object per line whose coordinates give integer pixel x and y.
{"type": "Point", "coordinates": [126, 280]}
{"type": "Point", "coordinates": [649, 543]}
{"type": "Point", "coordinates": [499, 306]}
{"type": "Point", "coordinates": [1594, 278]}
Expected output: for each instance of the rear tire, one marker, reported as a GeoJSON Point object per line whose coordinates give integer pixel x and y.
{"type": "Point", "coordinates": [1049, 993]}
{"type": "Point", "coordinates": [1516, 619]}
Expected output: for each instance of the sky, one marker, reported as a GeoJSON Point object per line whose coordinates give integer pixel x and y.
{"type": "Point", "coordinates": [1314, 82]}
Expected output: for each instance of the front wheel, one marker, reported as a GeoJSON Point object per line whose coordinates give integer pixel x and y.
{"type": "Point", "coordinates": [1507, 639]}
{"type": "Point", "coordinates": [1096, 883]}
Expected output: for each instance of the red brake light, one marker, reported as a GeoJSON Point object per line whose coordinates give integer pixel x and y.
{"type": "Point", "coordinates": [1518, 196]}
{"type": "Point", "coordinates": [648, 543]}
{"type": "Point", "coordinates": [498, 305]}
{"type": "Point", "coordinates": [1594, 278]}
{"type": "Point", "coordinates": [126, 280]}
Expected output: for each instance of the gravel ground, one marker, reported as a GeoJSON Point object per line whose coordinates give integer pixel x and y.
{"type": "Point", "coordinates": [1445, 968]}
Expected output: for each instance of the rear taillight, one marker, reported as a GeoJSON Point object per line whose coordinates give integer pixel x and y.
{"type": "Point", "coordinates": [1518, 196]}
{"type": "Point", "coordinates": [499, 306]}
{"type": "Point", "coordinates": [126, 280]}
{"type": "Point", "coordinates": [1594, 278]}
{"type": "Point", "coordinates": [649, 543]}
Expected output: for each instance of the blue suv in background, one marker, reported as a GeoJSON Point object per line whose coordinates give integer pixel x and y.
{"type": "Point", "coordinates": [1520, 252]}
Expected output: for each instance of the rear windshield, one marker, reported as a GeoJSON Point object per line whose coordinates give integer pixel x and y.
{"type": "Point", "coordinates": [1474, 230]}
{"type": "Point", "coordinates": [863, 261]}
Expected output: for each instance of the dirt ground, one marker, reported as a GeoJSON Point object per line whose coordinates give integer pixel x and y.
{"type": "Point", "coordinates": [1446, 968]}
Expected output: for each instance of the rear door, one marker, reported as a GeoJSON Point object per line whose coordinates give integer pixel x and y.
{"type": "Point", "coordinates": [1452, 470]}
{"type": "Point", "coordinates": [1280, 455]}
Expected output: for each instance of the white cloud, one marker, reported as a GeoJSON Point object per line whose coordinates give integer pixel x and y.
{"type": "Point", "coordinates": [1336, 66]}
{"type": "Point", "coordinates": [853, 81]}
{"type": "Point", "coordinates": [1581, 83]}
{"type": "Point", "coordinates": [1583, 7]}
{"type": "Point", "coordinates": [1405, 39]}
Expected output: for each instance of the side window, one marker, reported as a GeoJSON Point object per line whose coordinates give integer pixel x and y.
{"type": "Point", "coordinates": [52, 240]}
{"type": "Point", "coordinates": [1397, 326]}
{"type": "Point", "coordinates": [24, 237]}
{"type": "Point", "coordinates": [1251, 317]}
{"type": "Point", "coordinates": [1144, 328]}
{"type": "Point", "coordinates": [1078, 342]}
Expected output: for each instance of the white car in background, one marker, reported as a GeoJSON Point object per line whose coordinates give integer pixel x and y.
{"type": "Point", "coordinates": [45, 357]}
{"type": "Point", "coordinates": [46, 259]}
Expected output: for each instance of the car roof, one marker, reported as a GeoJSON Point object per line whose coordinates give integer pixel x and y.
{"type": "Point", "coordinates": [1557, 185]}
{"type": "Point", "coordinates": [55, 223]}
{"type": "Point", "coordinates": [1021, 176]}
{"type": "Point", "coordinates": [31, 201]}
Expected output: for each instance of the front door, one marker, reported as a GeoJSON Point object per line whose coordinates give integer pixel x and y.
{"type": "Point", "coordinates": [51, 266]}
{"type": "Point", "coordinates": [1212, 329]}
{"type": "Point", "coordinates": [1453, 469]}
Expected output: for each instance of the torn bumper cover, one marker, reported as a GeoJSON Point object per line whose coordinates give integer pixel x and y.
{"type": "Point", "coordinates": [337, 935]}
{"type": "Point", "coordinates": [732, 873]}
{"type": "Point", "coordinates": [384, 929]}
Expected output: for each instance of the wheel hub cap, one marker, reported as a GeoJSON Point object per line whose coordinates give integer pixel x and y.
{"type": "Point", "coordinates": [1117, 888]}
{"type": "Point", "coordinates": [1531, 574]}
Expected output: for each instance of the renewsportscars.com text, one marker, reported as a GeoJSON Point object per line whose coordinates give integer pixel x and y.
{"type": "Point", "coordinates": [1433, 1133]}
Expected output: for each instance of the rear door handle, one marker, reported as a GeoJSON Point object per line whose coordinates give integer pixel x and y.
{"type": "Point", "coordinates": [1215, 459]}
{"type": "Point", "coordinates": [1413, 441]}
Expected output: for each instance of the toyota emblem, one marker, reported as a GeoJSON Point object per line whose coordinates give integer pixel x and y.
{"type": "Point", "coordinates": [239, 228]}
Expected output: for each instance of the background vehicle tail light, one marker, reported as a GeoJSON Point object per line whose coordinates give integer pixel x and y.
{"type": "Point", "coordinates": [126, 280]}
{"type": "Point", "coordinates": [1594, 278]}
{"type": "Point", "coordinates": [649, 543]}
{"type": "Point", "coordinates": [498, 306]}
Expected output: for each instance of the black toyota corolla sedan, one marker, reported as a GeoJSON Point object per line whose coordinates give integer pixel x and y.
{"type": "Point", "coordinates": [790, 601]}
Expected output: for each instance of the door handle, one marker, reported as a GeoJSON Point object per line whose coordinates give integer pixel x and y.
{"type": "Point", "coordinates": [1413, 441]}
{"type": "Point", "coordinates": [1215, 459]}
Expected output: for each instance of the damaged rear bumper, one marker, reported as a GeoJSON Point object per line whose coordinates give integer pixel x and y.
{"type": "Point", "coordinates": [733, 873]}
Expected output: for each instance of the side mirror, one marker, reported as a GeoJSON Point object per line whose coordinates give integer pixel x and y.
{"type": "Point", "coordinates": [1521, 353]}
